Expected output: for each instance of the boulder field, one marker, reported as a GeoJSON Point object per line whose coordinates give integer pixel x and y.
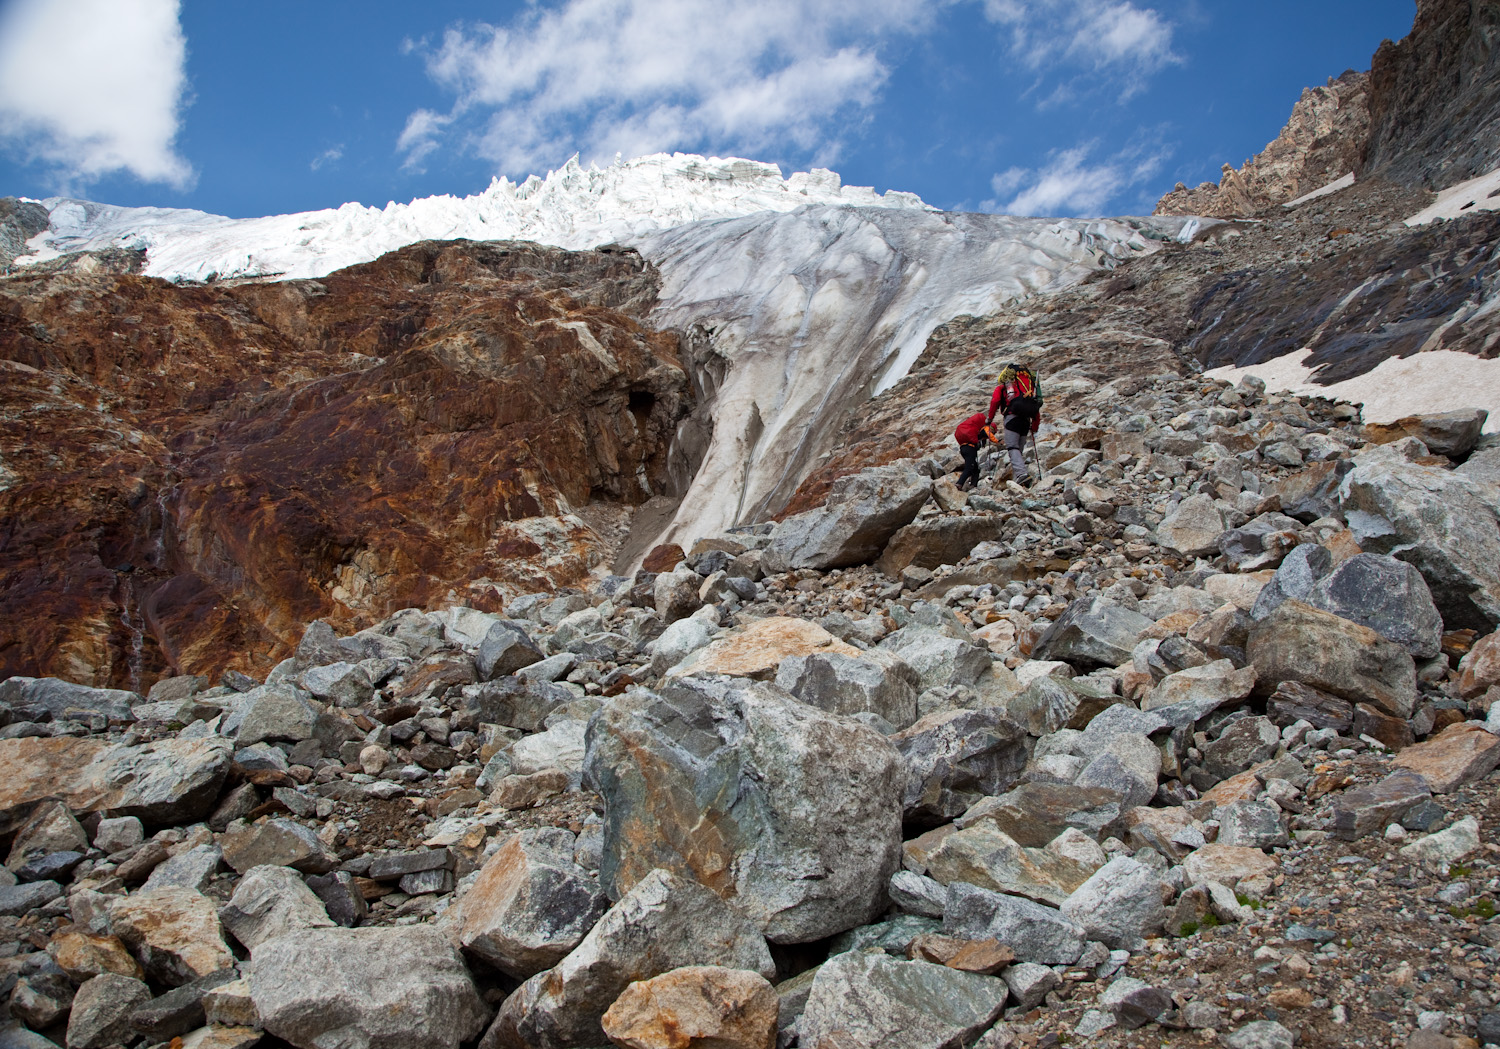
{"type": "Point", "coordinates": [1195, 739]}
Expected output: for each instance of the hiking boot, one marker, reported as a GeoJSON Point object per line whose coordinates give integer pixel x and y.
{"type": "Point", "coordinates": [1025, 482]}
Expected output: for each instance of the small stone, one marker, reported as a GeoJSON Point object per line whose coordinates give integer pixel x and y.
{"type": "Point", "coordinates": [118, 834]}
{"type": "Point", "coordinates": [1262, 1034]}
{"type": "Point", "coordinates": [1030, 983]}
{"type": "Point", "coordinates": [1446, 847]}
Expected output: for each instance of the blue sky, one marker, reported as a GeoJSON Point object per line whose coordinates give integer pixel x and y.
{"type": "Point", "coordinates": [1029, 106]}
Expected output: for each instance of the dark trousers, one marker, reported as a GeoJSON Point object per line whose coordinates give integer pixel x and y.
{"type": "Point", "coordinates": [968, 477]}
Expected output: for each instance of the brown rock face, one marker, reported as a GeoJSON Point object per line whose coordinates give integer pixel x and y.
{"type": "Point", "coordinates": [188, 475]}
{"type": "Point", "coordinates": [1435, 96]}
{"type": "Point", "coordinates": [1323, 141]}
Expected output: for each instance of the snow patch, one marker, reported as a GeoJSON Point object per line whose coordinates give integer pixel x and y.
{"type": "Point", "coordinates": [1322, 191]}
{"type": "Point", "coordinates": [1466, 198]}
{"type": "Point", "coordinates": [1422, 384]}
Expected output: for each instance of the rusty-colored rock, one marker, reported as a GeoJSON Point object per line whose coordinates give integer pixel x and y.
{"type": "Point", "coordinates": [757, 650]}
{"type": "Point", "coordinates": [194, 473]}
{"type": "Point", "coordinates": [174, 932]}
{"type": "Point", "coordinates": [663, 558]}
{"type": "Point", "coordinates": [697, 1007]}
{"type": "Point", "coordinates": [1460, 754]}
{"type": "Point", "coordinates": [82, 955]}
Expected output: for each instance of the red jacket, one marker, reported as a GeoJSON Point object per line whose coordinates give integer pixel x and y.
{"type": "Point", "coordinates": [1009, 391]}
{"type": "Point", "coordinates": [971, 429]}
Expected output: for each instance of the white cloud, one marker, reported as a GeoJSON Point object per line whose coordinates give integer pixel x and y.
{"type": "Point", "coordinates": [1110, 37]}
{"type": "Point", "coordinates": [638, 76]}
{"type": "Point", "coordinates": [92, 87]}
{"type": "Point", "coordinates": [1068, 184]}
{"type": "Point", "coordinates": [331, 155]}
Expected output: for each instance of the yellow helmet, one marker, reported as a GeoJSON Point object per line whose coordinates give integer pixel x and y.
{"type": "Point", "coordinates": [1007, 374]}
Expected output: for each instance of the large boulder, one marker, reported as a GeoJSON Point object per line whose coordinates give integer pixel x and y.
{"type": "Point", "coordinates": [274, 712]}
{"type": "Point", "coordinates": [1313, 492]}
{"type": "Point", "coordinates": [1036, 933]}
{"type": "Point", "coordinates": [1386, 595]}
{"type": "Point", "coordinates": [953, 758]}
{"type": "Point", "coordinates": [52, 699]}
{"type": "Point", "coordinates": [855, 522]}
{"type": "Point", "coordinates": [270, 902]}
{"type": "Point", "coordinates": [1444, 523]}
{"type": "Point", "coordinates": [1298, 573]}
{"type": "Point", "coordinates": [875, 682]}
{"type": "Point", "coordinates": [791, 814]}
{"type": "Point", "coordinates": [665, 922]}
{"type": "Point", "coordinates": [1453, 434]}
{"type": "Point", "coordinates": [374, 988]}
{"type": "Point", "coordinates": [937, 541]}
{"type": "Point", "coordinates": [170, 781]}
{"type": "Point", "coordinates": [531, 904]}
{"type": "Point", "coordinates": [1193, 528]}
{"type": "Point", "coordinates": [939, 658]}
{"type": "Point", "coordinates": [101, 1011]}
{"type": "Point", "coordinates": [173, 932]}
{"type": "Point", "coordinates": [1092, 633]}
{"type": "Point", "coordinates": [984, 855]}
{"type": "Point", "coordinates": [1297, 642]}
{"type": "Point", "coordinates": [879, 1002]}
{"type": "Point", "coordinates": [1120, 904]}
{"type": "Point", "coordinates": [1036, 813]}
{"type": "Point", "coordinates": [506, 648]}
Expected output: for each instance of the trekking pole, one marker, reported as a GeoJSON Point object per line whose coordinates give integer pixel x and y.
{"type": "Point", "coordinates": [1036, 457]}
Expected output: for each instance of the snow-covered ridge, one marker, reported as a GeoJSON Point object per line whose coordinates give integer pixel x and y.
{"type": "Point", "coordinates": [573, 207]}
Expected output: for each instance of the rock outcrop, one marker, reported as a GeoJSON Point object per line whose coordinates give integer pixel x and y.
{"type": "Point", "coordinates": [225, 464]}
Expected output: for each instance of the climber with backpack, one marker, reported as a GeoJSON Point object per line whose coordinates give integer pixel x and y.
{"type": "Point", "coordinates": [1018, 399]}
{"type": "Point", "coordinates": [971, 435]}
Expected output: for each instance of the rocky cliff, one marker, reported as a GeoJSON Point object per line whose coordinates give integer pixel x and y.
{"type": "Point", "coordinates": [1322, 141]}
{"type": "Point", "coordinates": [189, 473]}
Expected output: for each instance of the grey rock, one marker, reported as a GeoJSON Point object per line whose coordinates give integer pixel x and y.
{"type": "Point", "coordinates": [1299, 572]}
{"type": "Point", "coordinates": [938, 658]}
{"type": "Point", "coordinates": [262, 757]}
{"type": "Point", "coordinates": [18, 899]}
{"type": "Point", "coordinates": [180, 1010]}
{"type": "Point", "coordinates": [403, 988]}
{"type": "Point", "coordinates": [664, 922]}
{"type": "Point", "coordinates": [1030, 983]}
{"type": "Point", "coordinates": [515, 701]}
{"type": "Point", "coordinates": [1262, 1034]}
{"type": "Point", "coordinates": [1255, 823]}
{"type": "Point", "coordinates": [793, 814]}
{"type": "Point", "coordinates": [270, 902]}
{"type": "Point", "coordinates": [918, 894]}
{"type": "Point", "coordinates": [1312, 493]}
{"type": "Point", "coordinates": [1193, 528]}
{"type": "Point", "coordinates": [1035, 813]}
{"type": "Point", "coordinates": [883, 1003]}
{"type": "Point", "coordinates": [954, 758]}
{"type": "Point", "coordinates": [102, 1009]}
{"type": "Point", "coordinates": [394, 865]}
{"type": "Point", "coordinates": [986, 856]}
{"type": "Point", "coordinates": [531, 905]}
{"type": "Point", "coordinates": [1197, 1016]}
{"type": "Point", "coordinates": [1366, 810]}
{"type": "Point", "coordinates": [560, 747]}
{"type": "Point", "coordinates": [1036, 933]}
{"type": "Point", "coordinates": [877, 682]}
{"type": "Point", "coordinates": [192, 869]}
{"type": "Point", "coordinates": [1442, 522]}
{"type": "Point", "coordinates": [342, 684]}
{"type": "Point", "coordinates": [41, 998]}
{"type": "Point", "coordinates": [1128, 767]}
{"type": "Point", "coordinates": [1297, 642]}
{"type": "Point", "coordinates": [1120, 904]}
{"type": "Point", "coordinates": [676, 594]}
{"type": "Point", "coordinates": [893, 936]}
{"type": "Point", "coordinates": [277, 843]}
{"type": "Point", "coordinates": [275, 712]}
{"type": "Point", "coordinates": [1091, 633]}
{"type": "Point", "coordinates": [1453, 434]}
{"type": "Point", "coordinates": [856, 521]}
{"type": "Point", "coordinates": [1217, 682]}
{"type": "Point", "coordinates": [14, 1036]}
{"type": "Point", "coordinates": [49, 828]}
{"type": "Point", "coordinates": [118, 834]}
{"type": "Point", "coordinates": [677, 642]}
{"type": "Point", "coordinates": [1386, 595]}
{"type": "Point", "coordinates": [1259, 543]}
{"type": "Point", "coordinates": [342, 901]}
{"type": "Point", "coordinates": [1293, 701]}
{"type": "Point", "coordinates": [549, 669]}
{"type": "Point", "coordinates": [1135, 1003]}
{"type": "Point", "coordinates": [1247, 742]}
{"type": "Point", "coordinates": [51, 699]}
{"type": "Point", "coordinates": [54, 866]}
{"type": "Point", "coordinates": [506, 648]}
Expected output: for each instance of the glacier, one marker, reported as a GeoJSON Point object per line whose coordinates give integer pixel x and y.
{"type": "Point", "coordinates": [812, 296]}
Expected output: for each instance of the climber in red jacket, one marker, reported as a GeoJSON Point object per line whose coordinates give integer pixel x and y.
{"type": "Point", "coordinates": [971, 435]}
{"type": "Point", "coordinates": [1017, 398]}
